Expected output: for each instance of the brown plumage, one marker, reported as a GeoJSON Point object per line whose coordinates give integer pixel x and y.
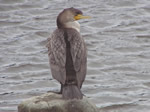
{"type": "Point", "coordinates": [67, 54]}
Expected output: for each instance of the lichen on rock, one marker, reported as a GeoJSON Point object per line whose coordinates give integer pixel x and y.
{"type": "Point", "coordinates": [52, 102]}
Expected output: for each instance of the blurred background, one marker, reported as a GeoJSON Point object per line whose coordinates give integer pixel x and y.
{"type": "Point", "coordinates": [118, 42]}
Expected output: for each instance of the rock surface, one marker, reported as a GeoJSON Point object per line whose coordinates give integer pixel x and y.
{"type": "Point", "coordinates": [52, 102]}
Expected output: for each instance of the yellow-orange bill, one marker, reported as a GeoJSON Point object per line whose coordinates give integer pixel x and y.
{"type": "Point", "coordinates": [79, 16]}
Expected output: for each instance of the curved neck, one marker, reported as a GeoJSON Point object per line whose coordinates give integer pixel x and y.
{"type": "Point", "coordinates": [74, 24]}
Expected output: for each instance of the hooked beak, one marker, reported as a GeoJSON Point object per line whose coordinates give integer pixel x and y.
{"type": "Point", "coordinates": [79, 16]}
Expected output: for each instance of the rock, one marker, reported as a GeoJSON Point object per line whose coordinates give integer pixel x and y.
{"type": "Point", "coordinates": [52, 102]}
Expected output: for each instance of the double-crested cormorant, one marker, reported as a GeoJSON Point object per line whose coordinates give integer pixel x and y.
{"type": "Point", "coordinates": [67, 53]}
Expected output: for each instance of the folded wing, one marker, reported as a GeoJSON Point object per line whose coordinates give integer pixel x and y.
{"type": "Point", "coordinates": [79, 55]}
{"type": "Point", "coordinates": [57, 55]}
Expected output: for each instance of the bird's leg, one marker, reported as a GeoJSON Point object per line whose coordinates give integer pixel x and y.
{"type": "Point", "coordinates": [60, 92]}
{"type": "Point", "coordinates": [80, 88]}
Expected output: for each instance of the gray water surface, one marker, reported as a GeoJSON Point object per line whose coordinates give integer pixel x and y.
{"type": "Point", "coordinates": [118, 43]}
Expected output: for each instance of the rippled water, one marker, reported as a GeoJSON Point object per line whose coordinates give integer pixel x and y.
{"type": "Point", "coordinates": [118, 42]}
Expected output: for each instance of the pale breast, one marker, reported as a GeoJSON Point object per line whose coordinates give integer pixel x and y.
{"type": "Point", "coordinates": [74, 25]}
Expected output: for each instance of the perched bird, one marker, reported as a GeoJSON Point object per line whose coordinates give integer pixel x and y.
{"type": "Point", "coordinates": [67, 53]}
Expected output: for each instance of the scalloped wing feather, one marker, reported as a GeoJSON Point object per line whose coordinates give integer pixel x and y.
{"type": "Point", "coordinates": [57, 55]}
{"type": "Point", "coordinates": [79, 55]}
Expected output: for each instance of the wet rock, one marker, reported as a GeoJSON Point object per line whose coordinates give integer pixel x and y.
{"type": "Point", "coordinates": [52, 102]}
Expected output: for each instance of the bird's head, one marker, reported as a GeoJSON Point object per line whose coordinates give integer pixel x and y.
{"type": "Point", "coordinates": [69, 15]}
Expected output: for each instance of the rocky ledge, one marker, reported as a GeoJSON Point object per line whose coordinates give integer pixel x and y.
{"type": "Point", "coordinates": [52, 102]}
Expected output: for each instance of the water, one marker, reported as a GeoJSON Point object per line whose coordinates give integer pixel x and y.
{"type": "Point", "coordinates": [118, 43]}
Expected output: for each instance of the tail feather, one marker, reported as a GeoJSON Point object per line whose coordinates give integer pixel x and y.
{"type": "Point", "coordinates": [71, 92]}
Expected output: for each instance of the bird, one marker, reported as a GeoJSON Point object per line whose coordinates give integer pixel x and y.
{"type": "Point", "coordinates": [68, 53]}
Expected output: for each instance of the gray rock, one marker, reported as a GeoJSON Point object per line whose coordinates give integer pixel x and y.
{"type": "Point", "coordinates": [52, 102]}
